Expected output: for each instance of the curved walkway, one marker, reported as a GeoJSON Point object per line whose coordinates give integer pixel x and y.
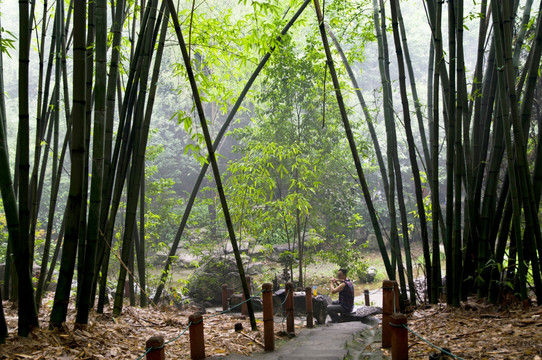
{"type": "Point", "coordinates": [350, 340]}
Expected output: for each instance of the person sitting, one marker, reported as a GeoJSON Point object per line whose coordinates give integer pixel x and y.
{"type": "Point", "coordinates": [345, 288]}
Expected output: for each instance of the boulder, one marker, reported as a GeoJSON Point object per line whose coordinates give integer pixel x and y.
{"type": "Point", "coordinates": [205, 284]}
{"type": "Point", "coordinates": [277, 250]}
{"type": "Point", "coordinates": [368, 276]}
{"type": "Point", "coordinates": [236, 299]}
{"type": "Point", "coordinates": [372, 242]}
{"type": "Point", "coordinates": [319, 305]}
{"type": "Point", "coordinates": [255, 268]}
{"type": "Point", "coordinates": [360, 314]}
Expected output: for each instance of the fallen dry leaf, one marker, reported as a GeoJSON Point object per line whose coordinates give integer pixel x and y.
{"type": "Point", "coordinates": [477, 331]}
{"type": "Point", "coordinates": [124, 337]}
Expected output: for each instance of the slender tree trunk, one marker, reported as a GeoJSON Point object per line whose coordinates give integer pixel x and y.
{"type": "Point", "coordinates": [82, 244]}
{"type": "Point", "coordinates": [218, 138]}
{"type": "Point", "coordinates": [410, 139]}
{"type": "Point", "coordinates": [351, 141]}
{"type": "Point", "coordinates": [365, 109]}
{"type": "Point", "coordinates": [20, 239]}
{"type": "Point", "coordinates": [516, 206]}
{"type": "Point", "coordinates": [85, 297]}
{"type": "Point", "coordinates": [532, 228]}
{"type": "Point", "coordinates": [140, 240]}
{"type": "Point", "coordinates": [434, 140]}
{"type": "Point", "coordinates": [455, 12]}
{"type": "Point", "coordinates": [140, 133]}
{"type": "Point", "coordinates": [107, 182]}
{"type": "Point", "coordinates": [51, 214]}
{"type": "Point", "coordinates": [212, 158]}
{"type": "Point", "coordinates": [121, 154]}
{"type": "Point", "coordinates": [42, 121]}
{"type": "Point", "coordinates": [77, 150]}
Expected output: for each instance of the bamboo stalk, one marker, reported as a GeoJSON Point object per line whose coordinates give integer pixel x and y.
{"type": "Point", "coordinates": [218, 138]}
{"type": "Point", "coordinates": [351, 141]}
{"type": "Point", "coordinates": [212, 158]}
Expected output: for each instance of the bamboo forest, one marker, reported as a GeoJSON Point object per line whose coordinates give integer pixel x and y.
{"type": "Point", "coordinates": [162, 158]}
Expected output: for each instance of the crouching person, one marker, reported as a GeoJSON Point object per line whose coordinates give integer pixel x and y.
{"type": "Point", "coordinates": [345, 288]}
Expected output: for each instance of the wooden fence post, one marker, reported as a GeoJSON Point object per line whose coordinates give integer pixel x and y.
{"type": "Point", "coordinates": [367, 300]}
{"type": "Point", "coordinates": [197, 344]}
{"type": "Point", "coordinates": [268, 322]}
{"type": "Point", "coordinates": [157, 345]}
{"type": "Point", "coordinates": [308, 306]}
{"type": "Point", "coordinates": [225, 304]}
{"type": "Point", "coordinates": [290, 327]}
{"type": "Point", "coordinates": [390, 297]}
{"type": "Point", "coordinates": [399, 337]}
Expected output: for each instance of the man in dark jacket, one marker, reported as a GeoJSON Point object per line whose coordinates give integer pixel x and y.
{"type": "Point", "coordinates": [345, 288]}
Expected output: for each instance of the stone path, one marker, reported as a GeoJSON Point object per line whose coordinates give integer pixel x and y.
{"type": "Point", "coordinates": [351, 340]}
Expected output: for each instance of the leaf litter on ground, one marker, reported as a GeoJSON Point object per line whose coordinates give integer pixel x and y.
{"type": "Point", "coordinates": [124, 337]}
{"type": "Point", "coordinates": [477, 330]}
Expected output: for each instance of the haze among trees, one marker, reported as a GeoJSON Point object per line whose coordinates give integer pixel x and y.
{"type": "Point", "coordinates": [413, 123]}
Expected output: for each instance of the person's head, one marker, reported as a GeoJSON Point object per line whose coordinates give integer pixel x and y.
{"type": "Point", "coordinates": [341, 274]}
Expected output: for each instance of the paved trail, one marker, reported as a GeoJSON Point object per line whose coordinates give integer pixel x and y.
{"type": "Point", "coordinates": [351, 340]}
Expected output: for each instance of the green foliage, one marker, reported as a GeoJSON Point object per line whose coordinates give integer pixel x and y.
{"type": "Point", "coordinates": [162, 205]}
{"type": "Point", "coordinates": [7, 43]}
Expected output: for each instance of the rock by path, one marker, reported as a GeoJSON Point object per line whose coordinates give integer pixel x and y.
{"type": "Point", "coordinates": [351, 340]}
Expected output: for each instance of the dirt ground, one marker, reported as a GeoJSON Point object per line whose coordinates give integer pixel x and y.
{"type": "Point", "coordinates": [124, 337]}
{"type": "Point", "coordinates": [476, 330]}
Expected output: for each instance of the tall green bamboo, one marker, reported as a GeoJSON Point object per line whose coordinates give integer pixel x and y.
{"type": "Point", "coordinates": [82, 243]}
{"type": "Point", "coordinates": [141, 131]}
{"type": "Point", "coordinates": [457, 106]}
{"type": "Point", "coordinates": [10, 209]}
{"type": "Point", "coordinates": [85, 300]}
{"type": "Point", "coordinates": [140, 239]}
{"type": "Point", "coordinates": [434, 141]}
{"type": "Point", "coordinates": [20, 239]}
{"type": "Point", "coordinates": [393, 170]}
{"type": "Point", "coordinates": [3, 119]}
{"type": "Point", "coordinates": [120, 157]}
{"type": "Point", "coordinates": [352, 143]}
{"type": "Point", "coordinates": [449, 102]}
{"type": "Point", "coordinates": [56, 39]}
{"type": "Point", "coordinates": [212, 158]}
{"type": "Point", "coordinates": [410, 137]}
{"type": "Point", "coordinates": [220, 135]}
{"type": "Point", "coordinates": [107, 185]}
{"type": "Point", "coordinates": [42, 118]}
{"type": "Point", "coordinates": [532, 228]}
{"type": "Point", "coordinates": [365, 109]}
{"type": "Point", "coordinates": [427, 156]}
{"type": "Point", "coordinates": [78, 153]}
{"type": "Point", "coordinates": [474, 111]}
{"type": "Point", "coordinates": [516, 206]}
